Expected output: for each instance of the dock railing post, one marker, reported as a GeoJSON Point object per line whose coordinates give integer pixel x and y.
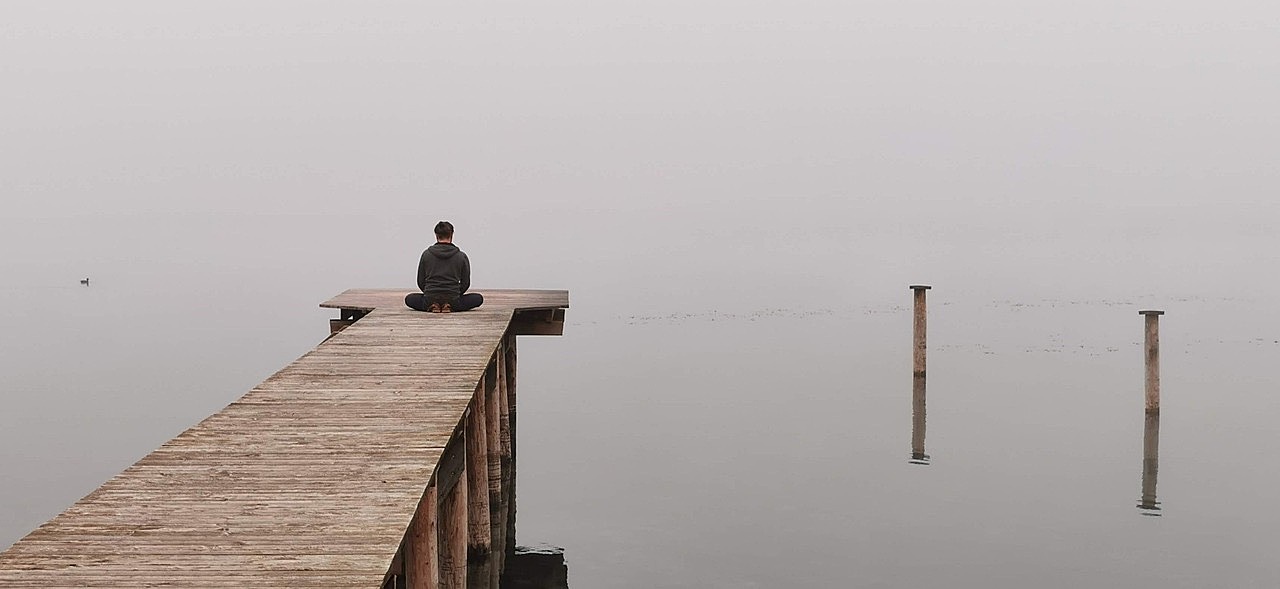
{"type": "Point", "coordinates": [1151, 348]}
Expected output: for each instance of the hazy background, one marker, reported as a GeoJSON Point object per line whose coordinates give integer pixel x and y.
{"type": "Point", "coordinates": [737, 194]}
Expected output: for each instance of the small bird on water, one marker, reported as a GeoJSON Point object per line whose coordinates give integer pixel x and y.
{"type": "Point", "coordinates": [84, 281]}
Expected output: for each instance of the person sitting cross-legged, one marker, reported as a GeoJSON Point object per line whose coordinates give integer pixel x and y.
{"type": "Point", "coordinates": [444, 275]}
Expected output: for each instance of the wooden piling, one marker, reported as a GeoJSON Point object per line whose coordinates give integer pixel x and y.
{"type": "Point", "coordinates": [921, 314]}
{"type": "Point", "coordinates": [479, 540]}
{"type": "Point", "coordinates": [421, 549]}
{"type": "Point", "coordinates": [1152, 352]}
{"type": "Point", "coordinates": [510, 367]}
{"type": "Point", "coordinates": [452, 517]}
{"type": "Point", "coordinates": [504, 455]}
{"type": "Point", "coordinates": [494, 455]}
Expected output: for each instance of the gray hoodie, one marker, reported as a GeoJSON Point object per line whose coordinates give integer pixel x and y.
{"type": "Point", "coordinates": [444, 271]}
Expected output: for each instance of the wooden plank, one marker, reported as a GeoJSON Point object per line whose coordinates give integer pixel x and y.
{"type": "Point", "coordinates": [375, 298]}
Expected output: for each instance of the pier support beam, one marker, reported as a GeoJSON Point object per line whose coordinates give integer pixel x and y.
{"type": "Point", "coordinates": [479, 539]}
{"type": "Point", "coordinates": [503, 540]}
{"type": "Point", "coordinates": [421, 548]}
{"type": "Point", "coordinates": [452, 513]}
{"type": "Point", "coordinates": [510, 368]}
{"type": "Point", "coordinates": [493, 453]}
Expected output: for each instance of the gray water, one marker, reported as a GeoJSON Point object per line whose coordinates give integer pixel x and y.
{"type": "Point", "coordinates": [737, 196]}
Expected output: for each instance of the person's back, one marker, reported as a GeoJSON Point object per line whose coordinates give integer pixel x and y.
{"type": "Point", "coordinates": [444, 271]}
{"type": "Point", "coordinates": [444, 275]}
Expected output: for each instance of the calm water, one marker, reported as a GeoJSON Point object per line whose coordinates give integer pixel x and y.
{"type": "Point", "coordinates": [737, 197]}
{"type": "Point", "coordinates": [774, 451]}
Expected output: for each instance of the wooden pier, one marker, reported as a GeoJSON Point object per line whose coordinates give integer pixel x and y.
{"type": "Point", "coordinates": [384, 457]}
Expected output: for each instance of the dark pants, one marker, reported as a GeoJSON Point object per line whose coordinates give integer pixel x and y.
{"type": "Point", "coordinates": [466, 302]}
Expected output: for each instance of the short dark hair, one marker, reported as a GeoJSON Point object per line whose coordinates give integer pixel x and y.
{"type": "Point", "coordinates": [444, 229]}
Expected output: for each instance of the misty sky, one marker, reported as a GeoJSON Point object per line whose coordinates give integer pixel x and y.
{"type": "Point", "coordinates": [286, 107]}
{"type": "Point", "coordinates": [967, 128]}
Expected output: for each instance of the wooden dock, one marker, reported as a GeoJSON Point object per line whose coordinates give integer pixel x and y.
{"type": "Point", "coordinates": [384, 457]}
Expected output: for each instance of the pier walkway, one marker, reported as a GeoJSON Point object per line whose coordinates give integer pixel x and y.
{"type": "Point", "coordinates": [384, 457]}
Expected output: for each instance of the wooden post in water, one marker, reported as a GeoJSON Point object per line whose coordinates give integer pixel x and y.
{"type": "Point", "coordinates": [479, 541]}
{"type": "Point", "coordinates": [504, 458]}
{"type": "Point", "coordinates": [1152, 351]}
{"type": "Point", "coordinates": [421, 551]}
{"type": "Point", "coordinates": [1150, 464]}
{"type": "Point", "coordinates": [918, 376]}
{"type": "Point", "coordinates": [510, 369]}
{"type": "Point", "coordinates": [921, 314]}
{"type": "Point", "coordinates": [494, 455]}
{"type": "Point", "coordinates": [451, 494]}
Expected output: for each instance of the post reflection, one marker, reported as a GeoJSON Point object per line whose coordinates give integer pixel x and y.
{"type": "Point", "coordinates": [1150, 465]}
{"type": "Point", "coordinates": [918, 422]}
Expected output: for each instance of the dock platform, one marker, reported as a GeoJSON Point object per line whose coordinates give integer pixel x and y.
{"type": "Point", "coordinates": [384, 457]}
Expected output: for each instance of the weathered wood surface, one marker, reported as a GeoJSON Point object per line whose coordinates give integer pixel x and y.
{"type": "Point", "coordinates": [421, 546]}
{"type": "Point", "coordinates": [509, 369]}
{"type": "Point", "coordinates": [311, 479]}
{"type": "Point", "coordinates": [1151, 350]}
{"type": "Point", "coordinates": [368, 299]}
{"type": "Point", "coordinates": [479, 542]}
{"type": "Point", "coordinates": [919, 330]}
{"type": "Point", "coordinates": [493, 457]}
{"type": "Point", "coordinates": [452, 568]}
